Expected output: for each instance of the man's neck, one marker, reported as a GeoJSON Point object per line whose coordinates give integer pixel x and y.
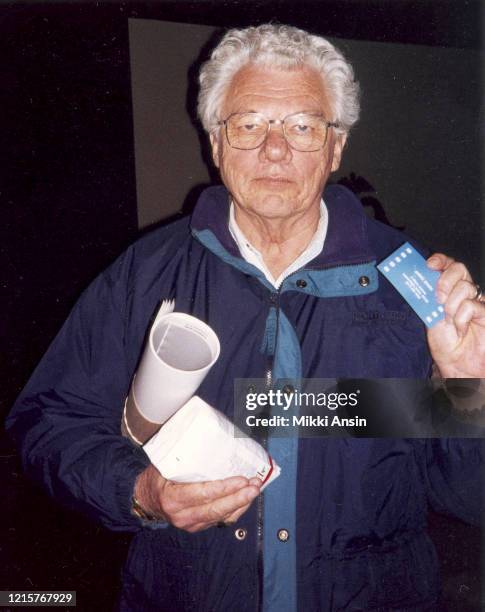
{"type": "Point", "coordinates": [281, 240]}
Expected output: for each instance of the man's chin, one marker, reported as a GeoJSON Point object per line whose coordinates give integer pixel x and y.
{"type": "Point", "coordinates": [273, 206]}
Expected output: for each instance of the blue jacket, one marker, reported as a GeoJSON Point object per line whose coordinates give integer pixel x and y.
{"type": "Point", "coordinates": [355, 509]}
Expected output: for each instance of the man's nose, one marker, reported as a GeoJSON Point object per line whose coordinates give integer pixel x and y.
{"type": "Point", "coordinates": [275, 147]}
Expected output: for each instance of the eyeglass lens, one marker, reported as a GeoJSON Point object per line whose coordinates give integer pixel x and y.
{"type": "Point", "coordinates": [303, 132]}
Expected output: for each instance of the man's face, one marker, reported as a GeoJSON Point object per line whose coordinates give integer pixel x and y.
{"type": "Point", "coordinates": [275, 181]}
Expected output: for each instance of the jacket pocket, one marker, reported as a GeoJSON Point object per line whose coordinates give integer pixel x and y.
{"type": "Point", "coordinates": [401, 576]}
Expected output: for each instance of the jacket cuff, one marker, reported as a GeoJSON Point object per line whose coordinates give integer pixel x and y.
{"type": "Point", "coordinates": [125, 489]}
{"type": "Point", "coordinates": [125, 485]}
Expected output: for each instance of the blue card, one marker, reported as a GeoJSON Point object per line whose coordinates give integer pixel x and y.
{"type": "Point", "coordinates": [406, 269]}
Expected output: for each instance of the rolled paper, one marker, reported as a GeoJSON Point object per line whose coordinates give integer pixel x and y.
{"type": "Point", "coordinates": [179, 353]}
{"type": "Point", "coordinates": [199, 444]}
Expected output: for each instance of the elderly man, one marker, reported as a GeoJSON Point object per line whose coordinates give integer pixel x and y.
{"type": "Point", "coordinates": [283, 269]}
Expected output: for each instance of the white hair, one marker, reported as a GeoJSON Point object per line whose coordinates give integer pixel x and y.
{"type": "Point", "coordinates": [284, 47]}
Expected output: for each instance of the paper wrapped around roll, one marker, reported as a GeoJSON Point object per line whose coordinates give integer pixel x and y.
{"type": "Point", "coordinates": [198, 444]}
{"type": "Point", "coordinates": [179, 353]}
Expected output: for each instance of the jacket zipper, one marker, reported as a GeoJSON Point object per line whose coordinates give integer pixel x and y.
{"type": "Point", "coordinates": [264, 441]}
{"type": "Point", "coordinates": [264, 444]}
{"type": "Point", "coordinates": [260, 508]}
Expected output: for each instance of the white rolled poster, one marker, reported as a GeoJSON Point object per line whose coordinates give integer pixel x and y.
{"type": "Point", "coordinates": [179, 353]}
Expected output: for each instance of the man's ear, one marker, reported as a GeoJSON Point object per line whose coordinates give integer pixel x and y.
{"type": "Point", "coordinates": [337, 151]}
{"type": "Point", "coordinates": [214, 140]}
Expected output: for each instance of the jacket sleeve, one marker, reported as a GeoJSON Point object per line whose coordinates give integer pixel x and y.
{"type": "Point", "coordinates": [66, 421]}
{"type": "Point", "coordinates": [454, 476]}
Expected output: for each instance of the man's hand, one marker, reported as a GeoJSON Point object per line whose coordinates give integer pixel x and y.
{"type": "Point", "coordinates": [195, 506]}
{"type": "Point", "coordinates": [457, 343]}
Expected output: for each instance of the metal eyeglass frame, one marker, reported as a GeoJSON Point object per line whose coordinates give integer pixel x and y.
{"type": "Point", "coordinates": [281, 122]}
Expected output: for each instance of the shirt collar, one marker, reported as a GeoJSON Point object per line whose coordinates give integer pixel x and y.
{"type": "Point", "coordinates": [253, 256]}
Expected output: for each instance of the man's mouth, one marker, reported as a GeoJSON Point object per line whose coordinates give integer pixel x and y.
{"type": "Point", "coordinates": [273, 179]}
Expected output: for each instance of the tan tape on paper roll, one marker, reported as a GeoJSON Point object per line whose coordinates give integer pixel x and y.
{"type": "Point", "coordinates": [134, 425]}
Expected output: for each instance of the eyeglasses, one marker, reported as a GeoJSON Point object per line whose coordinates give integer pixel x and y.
{"type": "Point", "coordinates": [304, 132]}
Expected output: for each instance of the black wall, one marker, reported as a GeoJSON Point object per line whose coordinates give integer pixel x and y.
{"type": "Point", "coordinates": [68, 208]}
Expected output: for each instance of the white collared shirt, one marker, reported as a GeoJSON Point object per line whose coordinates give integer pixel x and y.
{"type": "Point", "coordinates": [253, 256]}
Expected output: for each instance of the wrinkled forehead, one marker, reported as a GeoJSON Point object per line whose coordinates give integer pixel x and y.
{"type": "Point", "coordinates": [266, 89]}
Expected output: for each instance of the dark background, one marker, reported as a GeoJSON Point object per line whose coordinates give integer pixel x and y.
{"type": "Point", "coordinates": [69, 201]}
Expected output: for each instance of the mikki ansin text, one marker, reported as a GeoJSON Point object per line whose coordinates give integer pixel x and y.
{"type": "Point", "coordinates": [304, 421]}
{"type": "Point", "coordinates": [296, 399]}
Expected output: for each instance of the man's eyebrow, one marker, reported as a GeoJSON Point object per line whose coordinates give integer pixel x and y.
{"type": "Point", "coordinates": [298, 112]}
{"type": "Point", "coordinates": [240, 111]}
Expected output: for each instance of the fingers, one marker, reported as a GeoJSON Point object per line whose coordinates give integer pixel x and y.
{"type": "Point", "coordinates": [197, 506]}
{"type": "Point", "coordinates": [235, 516]}
{"type": "Point", "coordinates": [467, 311]}
{"type": "Point", "coordinates": [452, 273]}
{"type": "Point", "coordinates": [184, 495]}
{"type": "Point", "coordinates": [439, 261]}
{"type": "Point", "coordinates": [216, 511]}
{"type": "Point", "coordinates": [463, 290]}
